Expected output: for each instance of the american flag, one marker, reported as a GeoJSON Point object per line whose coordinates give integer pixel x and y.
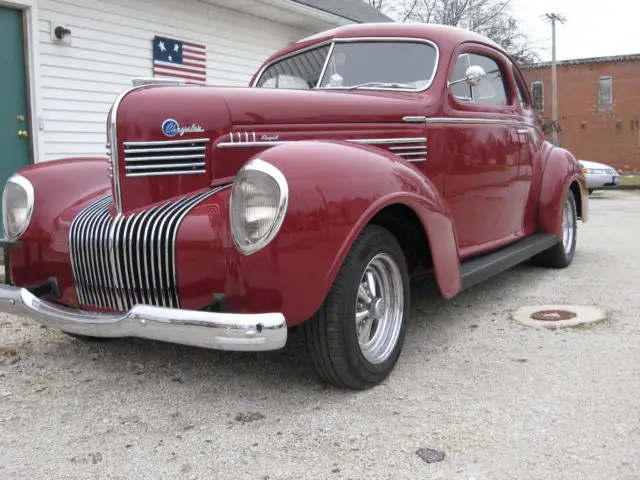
{"type": "Point", "coordinates": [177, 59]}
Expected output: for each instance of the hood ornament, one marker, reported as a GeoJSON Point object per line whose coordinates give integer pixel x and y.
{"type": "Point", "coordinates": [171, 128]}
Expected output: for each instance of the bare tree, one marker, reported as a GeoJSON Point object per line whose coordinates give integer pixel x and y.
{"type": "Point", "coordinates": [491, 18]}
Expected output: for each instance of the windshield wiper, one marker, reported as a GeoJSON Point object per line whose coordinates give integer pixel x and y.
{"type": "Point", "coordinates": [381, 84]}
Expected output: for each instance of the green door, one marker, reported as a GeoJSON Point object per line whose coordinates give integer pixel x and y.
{"type": "Point", "coordinates": [14, 118]}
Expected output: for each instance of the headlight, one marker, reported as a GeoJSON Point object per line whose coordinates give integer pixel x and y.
{"type": "Point", "coordinates": [17, 206]}
{"type": "Point", "coordinates": [259, 197]}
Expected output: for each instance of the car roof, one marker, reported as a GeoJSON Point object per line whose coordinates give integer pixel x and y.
{"type": "Point", "coordinates": [442, 35]}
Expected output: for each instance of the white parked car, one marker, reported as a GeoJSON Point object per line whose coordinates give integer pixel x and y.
{"type": "Point", "coordinates": [599, 175]}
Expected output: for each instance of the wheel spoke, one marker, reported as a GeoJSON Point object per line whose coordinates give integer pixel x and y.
{"type": "Point", "coordinates": [365, 330]}
{"type": "Point", "coordinates": [363, 295]}
{"type": "Point", "coordinates": [361, 316]}
{"type": "Point", "coordinates": [371, 284]}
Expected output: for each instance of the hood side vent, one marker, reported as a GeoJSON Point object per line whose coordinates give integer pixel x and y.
{"type": "Point", "coordinates": [168, 157]}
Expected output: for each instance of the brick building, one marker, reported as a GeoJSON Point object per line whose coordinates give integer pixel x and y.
{"type": "Point", "coordinates": [598, 107]}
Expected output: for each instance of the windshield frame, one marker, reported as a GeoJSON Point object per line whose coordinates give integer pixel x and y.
{"type": "Point", "coordinates": [333, 41]}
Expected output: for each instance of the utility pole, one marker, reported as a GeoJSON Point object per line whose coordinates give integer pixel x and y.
{"type": "Point", "coordinates": [553, 18]}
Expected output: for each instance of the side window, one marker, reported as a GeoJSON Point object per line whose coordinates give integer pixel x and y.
{"type": "Point", "coordinates": [461, 90]}
{"type": "Point", "coordinates": [491, 91]}
{"type": "Point", "coordinates": [300, 71]}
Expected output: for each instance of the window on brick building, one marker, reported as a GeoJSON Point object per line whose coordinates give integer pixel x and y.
{"type": "Point", "coordinates": [605, 93]}
{"type": "Point", "coordinates": [537, 96]}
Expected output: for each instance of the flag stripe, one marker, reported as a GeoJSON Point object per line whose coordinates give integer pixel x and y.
{"type": "Point", "coordinates": [190, 68]}
{"type": "Point", "coordinates": [169, 71]}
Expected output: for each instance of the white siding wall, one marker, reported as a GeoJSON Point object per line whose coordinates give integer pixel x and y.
{"type": "Point", "coordinates": [111, 43]}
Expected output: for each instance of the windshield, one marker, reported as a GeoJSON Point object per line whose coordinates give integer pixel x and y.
{"type": "Point", "coordinates": [403, 65]}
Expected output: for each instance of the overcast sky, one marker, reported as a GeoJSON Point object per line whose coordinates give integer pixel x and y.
{"type": "Point", "coordinates": [594, 28]}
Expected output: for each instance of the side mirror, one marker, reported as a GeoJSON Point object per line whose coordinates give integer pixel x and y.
{"type": "Point", "coordinates": [475, 75]}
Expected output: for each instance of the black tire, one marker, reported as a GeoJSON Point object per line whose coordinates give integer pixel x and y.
{"type": "Point", "coordinates": [561, 255]}
{"type": "Point", "coordinates": [331, 334]}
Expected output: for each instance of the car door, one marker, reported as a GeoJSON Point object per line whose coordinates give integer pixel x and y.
{"type": "Point", "coordinates": [482, 149]}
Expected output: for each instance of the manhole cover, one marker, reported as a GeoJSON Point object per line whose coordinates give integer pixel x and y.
{"type": "Point", "coordinates": [553, 315]}
{"type": "Point", "coordinates": [558, 316]}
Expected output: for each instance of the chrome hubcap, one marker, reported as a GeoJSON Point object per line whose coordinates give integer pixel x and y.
{"type": "Point", "coordinates": [568, 226]}
{"type": "Point", "coordinates": [379, 308]}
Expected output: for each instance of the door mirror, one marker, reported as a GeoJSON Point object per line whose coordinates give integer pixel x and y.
{"type": "Point", "coordinates": [475, 75]}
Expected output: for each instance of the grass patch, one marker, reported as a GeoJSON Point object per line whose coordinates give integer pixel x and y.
{"type": "Point", "coordinates": [630, 180]}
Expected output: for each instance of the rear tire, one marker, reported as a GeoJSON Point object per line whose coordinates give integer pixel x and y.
{"type": "Point", "coordinates": [356, 337]}
{"type": "Point", "coordinates": [562, 253]}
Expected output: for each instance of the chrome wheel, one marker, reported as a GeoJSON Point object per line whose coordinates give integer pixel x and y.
{"type": "Point", "coordinates": [379, 308]}
{"type": "Point", "coordinates": [568, 226]}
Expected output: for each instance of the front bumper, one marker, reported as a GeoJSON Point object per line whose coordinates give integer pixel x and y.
{"type": "Point", "coordinates": [601, 180]}
{"type": "Point", "coordinates": [220, 331]}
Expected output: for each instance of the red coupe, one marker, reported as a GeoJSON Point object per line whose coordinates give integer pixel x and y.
{"type": "Point", "coordinates": [222, 217]}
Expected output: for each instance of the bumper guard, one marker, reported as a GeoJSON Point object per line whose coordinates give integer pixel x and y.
{"type": "Point", "coordinates": [219, 331]}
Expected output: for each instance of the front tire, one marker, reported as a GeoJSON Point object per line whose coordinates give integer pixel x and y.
{"type": "Point", "coordinates": [562, 253]}
{"type": "Point", "coordinates": [356, 337]}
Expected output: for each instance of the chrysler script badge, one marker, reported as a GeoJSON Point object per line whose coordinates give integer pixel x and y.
{"type": "Point", "coordinates": [171, 128]}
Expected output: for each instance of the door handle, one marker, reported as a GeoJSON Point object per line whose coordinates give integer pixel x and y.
{"type": "Point", "coordinates": [23, 133]}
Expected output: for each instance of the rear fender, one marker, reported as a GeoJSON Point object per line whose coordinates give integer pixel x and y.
{"type": "Point", "coordinates": [335, 189]}
{"type": "Point", "coordinates": [562, 173]}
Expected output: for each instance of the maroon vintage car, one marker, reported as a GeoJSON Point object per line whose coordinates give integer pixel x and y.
{"type": "Point", "coordinates": [356, 158]}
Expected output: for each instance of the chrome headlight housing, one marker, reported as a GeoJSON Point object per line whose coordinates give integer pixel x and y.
{"type": "Point", "coordinates": [258, 204]}
{"type": "Point", "coordinates": [17, 206]}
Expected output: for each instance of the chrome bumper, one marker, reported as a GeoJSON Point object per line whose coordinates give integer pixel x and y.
{"type": "Point", "coordinates": [220, 331]}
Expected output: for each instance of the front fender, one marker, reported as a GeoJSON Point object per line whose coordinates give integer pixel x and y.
{"type": "Point", "coordinates": [562, 173]}
{"type": "Point", "coordinates": [62, 188]}
{"type": "Point", "coordinates": [335, 188]}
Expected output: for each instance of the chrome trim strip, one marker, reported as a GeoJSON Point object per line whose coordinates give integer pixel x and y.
{"type": "Point", "coordinates": [166, 142]}
{"type": "Point", "coordinates": [486, 121]}
{"type": "Point", "coordinates": [370, 141]}
{"type": "Point", "coordinates": [411, 154]}
{"type": "Point", "coordinates": [413, 147]}
{"type": "Point", "coordinates": [123, 261]}
{"type": "Point", "coordinates": [172, 172]}
{"type": "Point", "coordinates": [221, 331]}
{"type": "Point", "coordinates": [335, 40]}
{"type": "Point", "coordinates": [385, 141]}
{"type": "Point", "coordinates": [164, 166]}
{"type": "Point", "coordinates": [414, 119]}
{"type": "Point", "coordinates": [162, 150]}
{"type": "Point", "coordinates": [185, 156]}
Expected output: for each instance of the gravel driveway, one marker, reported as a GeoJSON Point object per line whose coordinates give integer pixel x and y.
{"type": "Point", "coordinates": [501, 400]}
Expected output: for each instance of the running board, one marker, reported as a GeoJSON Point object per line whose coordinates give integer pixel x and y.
{"type": "Point", "coordinates": [482, 268]}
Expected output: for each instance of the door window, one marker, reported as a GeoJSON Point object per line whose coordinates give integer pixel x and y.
{"type": "Point", "coordinates": [491, 91]}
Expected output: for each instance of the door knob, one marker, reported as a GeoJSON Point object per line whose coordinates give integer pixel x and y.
{"type": "Point", "coordinates": [23, 133]}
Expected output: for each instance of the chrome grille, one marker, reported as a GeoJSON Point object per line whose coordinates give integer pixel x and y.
{"type": "Point", "coordinates": [167, 157]}
{"type": "Point", "coordinates": [118, 262]}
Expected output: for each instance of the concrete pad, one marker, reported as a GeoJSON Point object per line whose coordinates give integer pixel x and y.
{"type": "Point", "coordinates": [558, 316]}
